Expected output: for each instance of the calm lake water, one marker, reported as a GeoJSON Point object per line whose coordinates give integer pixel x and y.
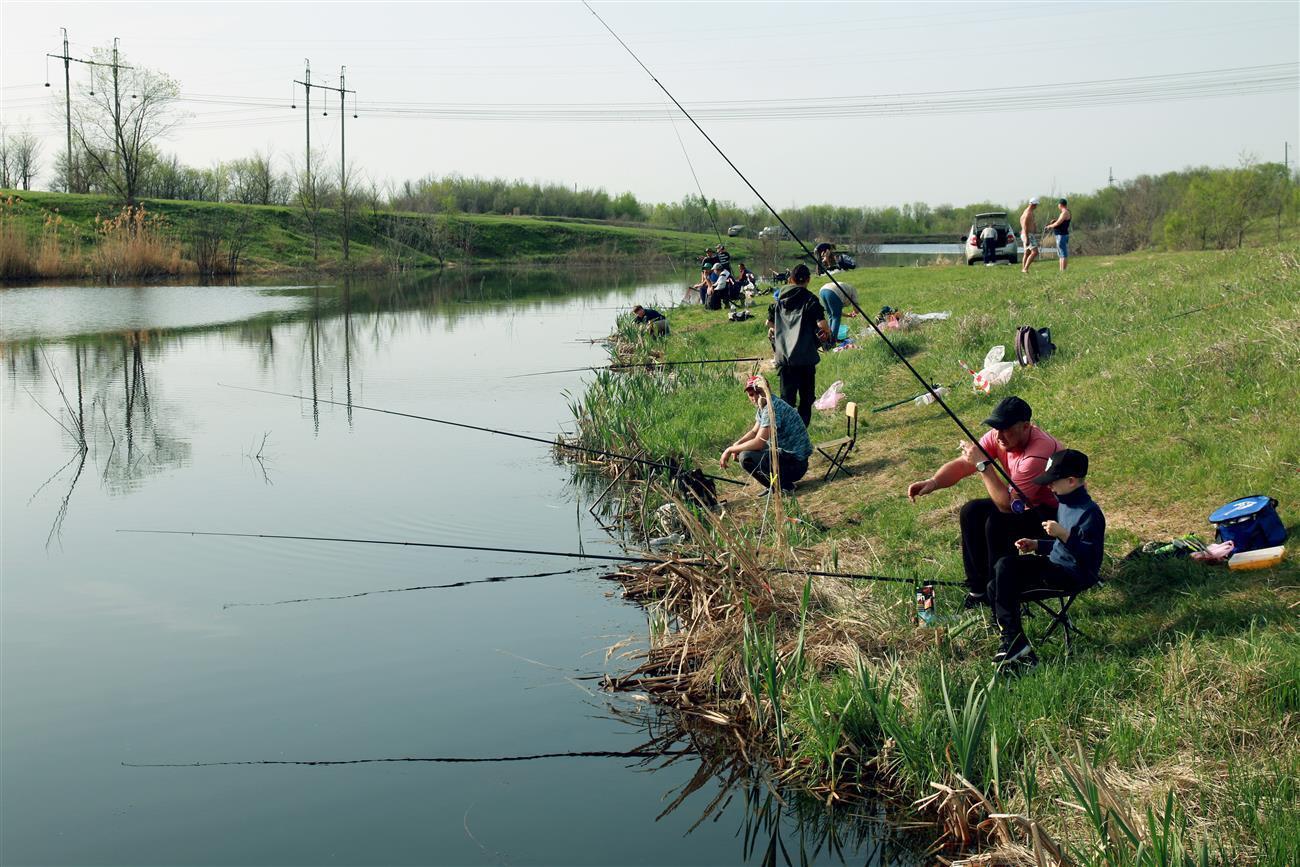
{"type": "Point", "coordinates": [122, 649]}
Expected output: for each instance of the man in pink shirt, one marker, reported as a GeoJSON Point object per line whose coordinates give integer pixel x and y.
{"type": "Point", "coordinates": [991, 526]}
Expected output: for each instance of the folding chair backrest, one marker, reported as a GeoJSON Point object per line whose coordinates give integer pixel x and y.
{"type": "Point", "coordinates": [851, 420]}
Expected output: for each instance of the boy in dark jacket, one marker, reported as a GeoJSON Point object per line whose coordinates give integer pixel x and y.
{"type": "Point", "coordinates": [1068, 560]}
{"type": "Point", "coordinates": [796, 323]}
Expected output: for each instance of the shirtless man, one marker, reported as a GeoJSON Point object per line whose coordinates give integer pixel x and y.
{"type": "Point", "coordinates": [1029, 233]}
{"type": "Point", "coordinates": [1061, 227]}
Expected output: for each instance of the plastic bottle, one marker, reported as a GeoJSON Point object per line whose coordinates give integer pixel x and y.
{"type": "Point", "coordinates": [925, 605]}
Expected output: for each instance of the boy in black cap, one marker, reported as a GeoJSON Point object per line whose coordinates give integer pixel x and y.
{"type": "Point", "coordinates": [1073, 552]}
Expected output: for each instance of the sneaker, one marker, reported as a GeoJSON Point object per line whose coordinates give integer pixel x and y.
{"type": "Point", "coordinates": [974, 600]}
{"type": "Point", "coordinates": [1017, 650]}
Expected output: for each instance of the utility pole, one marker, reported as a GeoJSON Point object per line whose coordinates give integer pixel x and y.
{"type": "Point", "coordinates": [342, 91]}
{"type": "Point", "coordinates": [68, 60]}
{"type": "Point", "coordinates": [1286, 155]}
{"type": "Point", "coordinates": [1111, 176]}
{"type": "Point", "coordinates": [343, 158]}
{"type": "Point", "coordinates": [306, 83]}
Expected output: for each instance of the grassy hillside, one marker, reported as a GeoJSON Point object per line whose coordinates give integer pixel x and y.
{"type": "Point", "coordinates": [1177, 375]}
{"type": "Point", "coordinates": [280, 238]}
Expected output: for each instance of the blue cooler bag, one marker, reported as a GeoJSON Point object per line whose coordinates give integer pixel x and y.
{"type": "Point", "coordinates": [1250, 523]}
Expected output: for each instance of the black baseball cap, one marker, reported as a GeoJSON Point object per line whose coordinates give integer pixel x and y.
{"type": "Point", "coordinates": [1063, 464]}
{"type": "Point", "coordinates": [1009, 411]}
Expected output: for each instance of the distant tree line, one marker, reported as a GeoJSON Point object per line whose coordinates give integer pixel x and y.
{"type": "Point", "coordinates": [118, 123]}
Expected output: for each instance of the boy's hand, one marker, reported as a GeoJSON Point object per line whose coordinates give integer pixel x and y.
{"type": "Point", "coordinates": [726, 457]}
{"type": "Point", "coordinates": [1026, 546]}
{"type": "Point", "coordinates": [1055, 530]}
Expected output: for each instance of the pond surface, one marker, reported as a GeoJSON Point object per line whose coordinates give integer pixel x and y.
{"type": "Point", "coordinates": [122, 649]}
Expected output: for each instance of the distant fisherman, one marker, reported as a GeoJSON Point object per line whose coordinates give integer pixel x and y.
{"type": "Point", "coordinates": [833, 300]}
{"type": "Point", "coordinates": [654, 322]}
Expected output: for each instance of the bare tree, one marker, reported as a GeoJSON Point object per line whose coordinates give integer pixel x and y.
{"type": "Point", "coordinates": [253, 180]}
{"type": "Point", "coordinates": [26, 157]}
{"type": "Point", "coordinates": [6, 160]}
{"type": "Point", "coordinates": [118, 119]}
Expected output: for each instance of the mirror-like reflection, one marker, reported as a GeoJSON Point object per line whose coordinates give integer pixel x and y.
{"type": "Point", "coordinates": [122, 650]}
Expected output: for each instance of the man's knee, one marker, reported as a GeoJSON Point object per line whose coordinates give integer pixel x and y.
{"type": "Point", "coordinates": [975, 512]}
{"type": "Point", "coordinates": [750, 461]}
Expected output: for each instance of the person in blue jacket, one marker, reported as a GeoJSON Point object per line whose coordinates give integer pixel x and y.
{"type": "Point", "coordinates": [1069, 559]}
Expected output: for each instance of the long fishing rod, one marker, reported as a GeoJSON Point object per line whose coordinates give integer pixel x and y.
{"type": "Point", "coordinates": [553, 443]}
{"type": "Point", "coordinates": [855, 576]}
{"type": "Point", "coordinates": [584, 754]}
{"type": "Point", "coordinates": [633, 366]}
{"type": "Point", "coordinates": [495, 579]}
{"type": "Point", "coordinates": [874, 327]}
{"type": "Point", "coordinates": [573, 555]}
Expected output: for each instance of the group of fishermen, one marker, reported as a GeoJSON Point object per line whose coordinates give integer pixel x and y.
{"type": "Point", "coordinates": [1042, 531]}
{"type": "Point", "coordinates": [718, 286]}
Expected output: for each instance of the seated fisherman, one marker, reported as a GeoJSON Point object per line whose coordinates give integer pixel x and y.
{"type": "Point", "coordinates": [990, 526]}
{"type": "Point", "coordinates": [1068, 560]}
{"type": "Point", "coordinates": [792, 443]}
{"type": "Point", "coordinates": [720, 292]}
{"type": "Point", "coordinates": [703, 287]}
{"type": "Point", "coordinates": [744, 278]}
{"type": "Point", "coordinates": [654, 322]}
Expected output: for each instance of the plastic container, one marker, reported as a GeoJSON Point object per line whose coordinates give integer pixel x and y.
{"type": "Point", "coordinates": [1260, 558]}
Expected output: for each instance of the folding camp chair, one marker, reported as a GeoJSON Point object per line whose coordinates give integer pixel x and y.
{"type": "Point", "coordinates": [837, 451]}
{"type": "Point", "coordinates": [1056, 604]}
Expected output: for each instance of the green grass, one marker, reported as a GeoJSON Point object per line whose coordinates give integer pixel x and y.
{"type": "Point", "coordinates": [1192, 686]}
{"type": "Point", "coordinates": [279, 237]}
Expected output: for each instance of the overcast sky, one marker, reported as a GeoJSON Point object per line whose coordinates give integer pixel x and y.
{"type": "Point", "coordinates": [1031, 136]}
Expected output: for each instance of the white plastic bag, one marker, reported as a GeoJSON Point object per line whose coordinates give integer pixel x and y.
{"type": "Point", "coordinates": [996, 372]}
{"type": "Point", "coordinates": [831, 397]}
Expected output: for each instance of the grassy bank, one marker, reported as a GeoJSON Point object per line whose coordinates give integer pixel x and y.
{"type": "Point", "coordinates": [1177, 726]}
{"type": "Point", "coordinates": [59, 235]}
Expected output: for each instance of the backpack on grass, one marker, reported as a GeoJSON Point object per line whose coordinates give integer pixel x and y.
{"type": "Point", "coordinates": [1033, 345]}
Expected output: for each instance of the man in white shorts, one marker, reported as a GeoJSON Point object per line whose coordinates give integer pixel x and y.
{"type": "Point", "coordinates": [1029, 234]}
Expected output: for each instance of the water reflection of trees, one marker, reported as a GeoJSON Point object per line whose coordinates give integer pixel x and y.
{"type": "Point", "coordinates": [98, 391]}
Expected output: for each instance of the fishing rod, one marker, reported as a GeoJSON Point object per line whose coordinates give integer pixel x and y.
{"type": "Point", "coordinates": [874, 327]}
{"type": "Point", "coordinates": [495, 579]}
{"type": "Point", "coordinates": [855, 576]}
{"type": "Point", "coordinates": [675, 470]}
{"type": "Point", "coordinates": [631, 366]}
{"type": "Point", "coordinates": [583, 754]}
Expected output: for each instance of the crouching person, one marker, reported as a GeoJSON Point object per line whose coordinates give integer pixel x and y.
{"type": "Point", "coordinates": [654, 322]}
{"type": "Point", "coordinates": [1069, 559]}
{"type": "Point", "coordinates": [793, 446]}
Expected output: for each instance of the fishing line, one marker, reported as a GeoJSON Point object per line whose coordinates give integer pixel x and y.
{"type": "Point", "coordinates": [450, 760]}
{"type": "Point", "coordinates": [704, 200]}
{"type": "Point", "coordinates": [675, 470]}
{"type": "Point", "coordinates": [874, 327]}
{"type": "Point", "coordinates": [632, 366]}
{"type": "Point", "coordinates": [496, 579]}
{"type": "Point", "coordinates": [854, 576]}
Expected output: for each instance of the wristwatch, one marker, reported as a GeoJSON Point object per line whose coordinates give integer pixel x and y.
{"type": "Point", "coordinates": [981, 466]}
